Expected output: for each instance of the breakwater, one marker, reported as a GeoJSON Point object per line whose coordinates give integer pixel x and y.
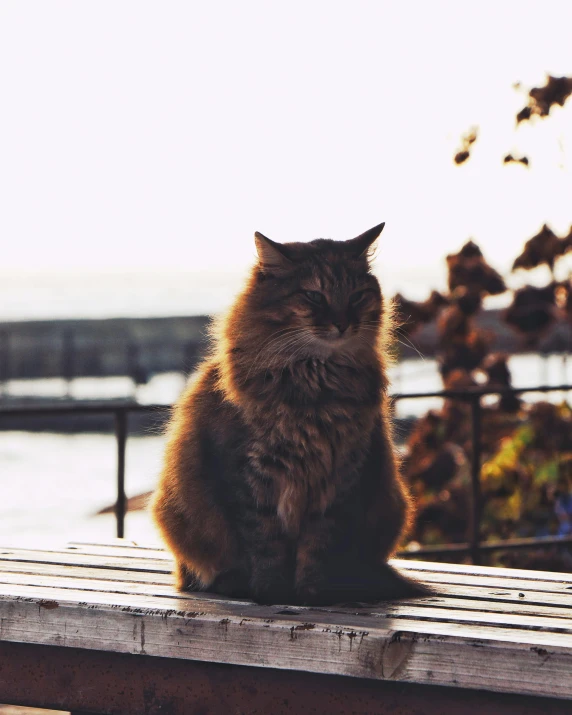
{"type": "Point", "coordinates": [135, 347]}
{"type": "Point", "coordinates": [142, 347]}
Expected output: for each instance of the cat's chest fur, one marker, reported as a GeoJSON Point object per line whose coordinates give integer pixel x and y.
{"type": "Point", "coordinates": [313, 441]}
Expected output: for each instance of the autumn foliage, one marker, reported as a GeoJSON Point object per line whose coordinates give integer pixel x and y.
{"type": "Point", "coordinates": [526, 475]}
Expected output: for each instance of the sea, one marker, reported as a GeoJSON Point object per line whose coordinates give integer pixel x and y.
{"type": "Point", "coordinates": [52, 485]}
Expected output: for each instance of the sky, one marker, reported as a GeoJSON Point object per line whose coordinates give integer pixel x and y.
{"type": "Point", "coordinates": [156, 137]}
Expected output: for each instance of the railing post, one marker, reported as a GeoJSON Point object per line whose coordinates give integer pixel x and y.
{"type": "Point", "coordinates": [475, 537]}
{"type": "Point", "coordinates": [68, 358]}
{"type": "Point", "coordinates": [4, 347]}
{"type": "Point", "coordinates": [121, 438]}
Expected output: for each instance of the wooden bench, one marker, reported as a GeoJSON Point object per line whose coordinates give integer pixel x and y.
{"type": "Point", "coordinates": [100, 628]}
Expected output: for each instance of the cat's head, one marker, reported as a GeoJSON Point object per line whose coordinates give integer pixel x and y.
{"type": "Point", "coordinates": [321, 295]}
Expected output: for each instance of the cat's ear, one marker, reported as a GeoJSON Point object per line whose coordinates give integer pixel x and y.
{"type": "Point", "coordinates": [272, 255]}
{"type": "Point", "coordinates": [361, 245]}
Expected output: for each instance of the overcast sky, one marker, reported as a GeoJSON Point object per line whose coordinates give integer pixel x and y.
{"type": "Point", "coordinates": [161, 135]}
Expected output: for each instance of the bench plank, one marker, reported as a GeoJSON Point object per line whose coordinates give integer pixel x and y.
{"type": "Point", "coordinates": [128, 563]}
{"type": "Point", "coordinates": [491, 581]}
{"type": "Point", "coordinates": [110, 550]}
{"type": "Point", "coordinates": [439, 621]}
{"type": "Point", "coordinates": [139, 551]}
{"type": "Point", "coordinates": [425, 609]}
{"type": "Point", "coordinates": [562, 583]}
{"type": "Point", "coordinates": [462, 655]}
{"type": "Point", "coordinates": [131, 548]}
{"type": "Point", "coordinates": [446, 568]}
{"type": "Point", "coordinates": [511, 602]}
{"type": "Point", "coordinates": [155, 570]}
{"type": "Point", "coordinates": [150, 583]}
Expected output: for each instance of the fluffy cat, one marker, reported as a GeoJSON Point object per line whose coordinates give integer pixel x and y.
{"type": "Point", "coordinates": [280, 480]}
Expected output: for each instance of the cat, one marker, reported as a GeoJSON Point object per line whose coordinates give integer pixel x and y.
{"type": "Point", "coordinates": [280, 480]}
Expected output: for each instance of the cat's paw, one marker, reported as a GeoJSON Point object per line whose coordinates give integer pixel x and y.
{"type": "Point", "coordinates": [271, 591]}
{"type": "Point", "coordinates": [185, 579]}
{"type": "Point", "coordinates": [314, 593]}
{"type": "Point", "coordinates": [233, 583]}
{"type": "Point", "coordinates": [333, 592]}
{"type": "Point", "coordinates": [314, 596]}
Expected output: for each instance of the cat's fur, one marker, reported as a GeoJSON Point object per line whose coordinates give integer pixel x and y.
{"type": "Point", "coordinates": [280, 480]}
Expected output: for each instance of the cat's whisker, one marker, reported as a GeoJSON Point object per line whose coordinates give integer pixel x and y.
{"type": "Point", "coordinates": [279, 334]}
{"type": "Point", "coordinates": [286, 332]}
{"type": "Point", "coordinates": [301, 343]}
{"type": "Point", "coordinates": [286, 335]}
{"type": "Point", "coordinates": [410, 344]}
{"type": "Point", "coordinates": [289, 343]}
{"type": "Point", "coordinates": [304, 345]}
{"type": "Point", "coordinates": [407, 344]}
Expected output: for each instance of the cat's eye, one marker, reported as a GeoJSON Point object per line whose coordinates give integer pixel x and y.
{"type": "Point", "coordinates": [315, 297]}
{"type": "Point", "coordinates": [357, 297]}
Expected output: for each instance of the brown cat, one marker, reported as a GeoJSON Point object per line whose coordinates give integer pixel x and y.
{"type": "Point", "coordinates": [280, 480]}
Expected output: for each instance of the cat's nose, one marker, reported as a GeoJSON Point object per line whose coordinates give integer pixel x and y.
{"type": "Point", "coordinates": [342, 327]}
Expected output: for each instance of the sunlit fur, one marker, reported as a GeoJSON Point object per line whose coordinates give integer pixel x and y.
{"type": "Point", "coordinates": [280, 479]}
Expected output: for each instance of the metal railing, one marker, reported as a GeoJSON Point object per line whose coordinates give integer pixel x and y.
{"type": "Point", "coordinates": [119, 412]}
{"type": "Point", "coordinates": [474, 548]}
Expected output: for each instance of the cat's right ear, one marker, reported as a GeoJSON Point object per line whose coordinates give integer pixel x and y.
{"type": "Point", "coordinates": [362, 245]}
{"type": "Point", "coordinates": [272, 256]}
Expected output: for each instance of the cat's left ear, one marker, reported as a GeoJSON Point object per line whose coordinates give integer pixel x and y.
{"type": "Point", "coordinates": [272, 255]}
{"type": "Point", "coordinates": [361, 245]}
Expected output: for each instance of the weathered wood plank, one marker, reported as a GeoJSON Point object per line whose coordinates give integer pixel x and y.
{"type": "Point", "coordinates": [484, 657]}
{"type": "Point", "coordinates": [129, 582]}
{"type": "Point", "coordinates": [494, 582]}
{"type": "Point", "coordinates": [446, 568]}
{"type": "Point", "coordinates": [130, 548]}
{"type": "Point", "coordinates": [93, 560]}
{"type": "Point", "coordinates": [122, 558]}
{"type": "Point", "coordinates": [123, 551]}
{"type": "Point", "coordinates": [511, 603]}
{"type": "Point", "coordinates": [445, 620]}
{"type": "Point", "coordinates": [160, 566]}
{"type": "Point", "coordinates": [85, 571]}
{"type": "Point", "coordinates": [116, 542]}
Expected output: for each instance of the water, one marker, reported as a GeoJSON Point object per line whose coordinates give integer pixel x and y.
{"type": "Point", "coordinates": [47, 296]}
{"type": "Point", "coordinates": [53, 485]}
{"type": "Point", "coordinates": [111, 295]}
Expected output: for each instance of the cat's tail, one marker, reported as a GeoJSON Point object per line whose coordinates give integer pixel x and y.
{"type": "Point", "coordinates": [393, 585]}
{"type": "Point", "coordinates": [384, 583]}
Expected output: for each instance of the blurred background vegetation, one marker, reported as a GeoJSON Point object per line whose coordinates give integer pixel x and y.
{"type": "Point", "coordinates": [526, 458]}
